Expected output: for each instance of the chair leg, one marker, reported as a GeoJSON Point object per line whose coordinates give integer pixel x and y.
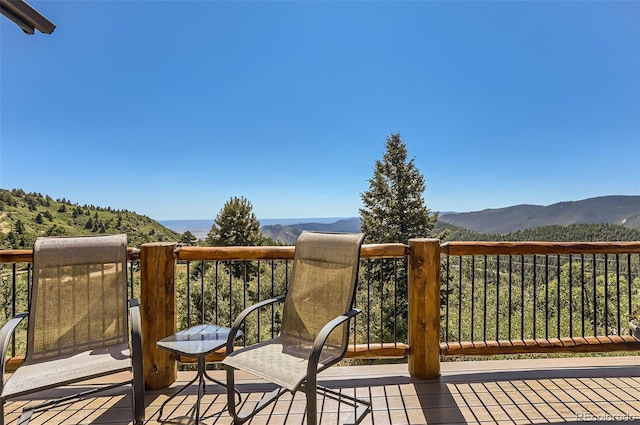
{"type": "Point", "coordinates": [136, 361]}
{"type": "Point", "coordinates": [244, 415]}
{"type": "Point", "coordinates": [137, 389]}
{"type": "Point", "coordinates": [361, 407]}
{"type": "Point", "coordinates": [231, 395]}
{"type": "Point", "coordinates": [25, 417]}
{"type": "Point", "coordinates": [312, 406]}
{"type": "Point", "coordinates": [312, 399]}
{"type": "Point", "coordinates": [138, 406]}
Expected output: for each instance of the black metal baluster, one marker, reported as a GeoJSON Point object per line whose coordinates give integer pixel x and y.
{"type": "Point", "coordinates": [546, 297]}
{"type": "Point", "coordinates": [460, 299]}
{"type": "Point", "coordinates": [497, 297]}
{"type": "Point", "coordinates": [510, 294]}
{"type": "Point", "coordinates": [473, 296]}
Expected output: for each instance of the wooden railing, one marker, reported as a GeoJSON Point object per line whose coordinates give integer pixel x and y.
{"type": "Point", "coordinates": [158, 263]}
{"type": "Point", "coordinates": [571, 297]}
{"type": "Point", "coordinates": [158, 299]}
{"type": "Point", "coordinates": [426, 314]}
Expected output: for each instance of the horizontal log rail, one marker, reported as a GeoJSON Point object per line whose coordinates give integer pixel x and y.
{"type": "Point", "coordinates": [539, 248]}
{"type": "Point", "coordinates": [9, 256]}
{"type": "Point", "coordinates": [198, 253]}
{"type": "Point", "coordinates": [228, 253]}
{"type": "Point", "coordinates": [597, 344]}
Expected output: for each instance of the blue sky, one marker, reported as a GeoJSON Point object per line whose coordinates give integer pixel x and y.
{"type": "Point", "coordinates": [170, 108]}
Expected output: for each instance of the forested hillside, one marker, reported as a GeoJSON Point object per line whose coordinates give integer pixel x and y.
{"type": "Point", "coordinates": [570, 233]}
{"type": "Point", "coordinates": [25, 216]}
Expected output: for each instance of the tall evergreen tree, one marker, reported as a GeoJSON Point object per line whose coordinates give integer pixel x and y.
{"type": "Point", "coordinates": [394, 208]}
{"type": "Point", "coordinates": [236, 225]}
{"type": "Point", "coordinates": [188, 238]}
{"type": "Point", "coordinates": [19, 227]}
{"type": "Point", "coordinates": [394, 211]}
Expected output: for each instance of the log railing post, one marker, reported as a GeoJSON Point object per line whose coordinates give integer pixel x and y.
{"type": "Point", "coordinates": [424, 308]}
{"type": "Point", "coordinates": [157, 311]}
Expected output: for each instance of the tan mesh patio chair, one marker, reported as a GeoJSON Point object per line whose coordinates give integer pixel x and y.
{"type": "Point", "coordinates": [78, 325]}
{"type": "Point", "coordinates": [315, 326]}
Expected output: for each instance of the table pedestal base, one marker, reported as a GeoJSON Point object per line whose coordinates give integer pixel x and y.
{"type": "Point", "coordinates": [201, 376]}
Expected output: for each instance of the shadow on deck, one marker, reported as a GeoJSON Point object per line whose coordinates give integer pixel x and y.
{"type": "Point", "coordinates": [536, 391]}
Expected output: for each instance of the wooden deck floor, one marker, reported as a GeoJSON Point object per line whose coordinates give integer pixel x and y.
{"type": "Point", "coordinates": [538, 391]}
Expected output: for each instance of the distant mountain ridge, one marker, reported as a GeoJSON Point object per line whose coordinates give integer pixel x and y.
{"type": "Point", "coordinates": [616, 209]}
{"type": "Point", "coordinates": [289, 233]}
{"type": "Point", "coordinates": [24, 216]}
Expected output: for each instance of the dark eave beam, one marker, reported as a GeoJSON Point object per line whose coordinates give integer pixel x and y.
{"type": "Point", "coordinates": [26, 17]}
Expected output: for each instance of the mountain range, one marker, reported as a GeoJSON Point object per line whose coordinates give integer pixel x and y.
{"type": "Point", "coordinates": [25, 216]}
{"type": "Point", "coordinates": [616, 209]}
{"type": "Point", "coordinates": [289, 233]}
{"type": "Point", "coordinates": [622, 210]}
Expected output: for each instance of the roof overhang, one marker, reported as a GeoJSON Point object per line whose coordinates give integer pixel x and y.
{"type": "Point", "coordinates": [26, 17]}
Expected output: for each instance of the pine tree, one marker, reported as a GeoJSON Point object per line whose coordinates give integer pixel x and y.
{"type": "Point", "coordinates": [394, 208]}
{"type": "Point", "coordinates": [12, 239]}
{"type": "Point", "coordinates": [236, 225]}
{"type": "Point", "coordinates": [187, 238]}
{"type": "Point", "coordinates": [19, 227]}
{"type": "Point", "coordinates": [394, 211]}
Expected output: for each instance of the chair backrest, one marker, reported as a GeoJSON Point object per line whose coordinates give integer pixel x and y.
{"type": "Point", "coordinates": [322, 287]}
{"type": "Point", "coordinates": [79, 295]}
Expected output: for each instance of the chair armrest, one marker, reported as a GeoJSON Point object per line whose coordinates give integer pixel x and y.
{"type": "Point", "coordinates": [322, 336]}
{"type": "Point", "coordinates": [5, 336]}
{"type": "Point", "coordinates": [243, 315]}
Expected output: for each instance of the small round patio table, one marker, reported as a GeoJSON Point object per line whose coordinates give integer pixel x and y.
{"type": "Point", "coordinates": [197, 341]}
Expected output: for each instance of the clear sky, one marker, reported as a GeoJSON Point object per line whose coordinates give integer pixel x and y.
{"type": "Point", "coordinates": [170, 108]}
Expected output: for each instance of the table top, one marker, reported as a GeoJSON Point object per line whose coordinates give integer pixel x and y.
{"type": "Point", "coordinates": [198, 340]}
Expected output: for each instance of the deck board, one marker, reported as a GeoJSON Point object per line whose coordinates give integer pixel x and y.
{"type": "Point", "coordinates": [532, 391]}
